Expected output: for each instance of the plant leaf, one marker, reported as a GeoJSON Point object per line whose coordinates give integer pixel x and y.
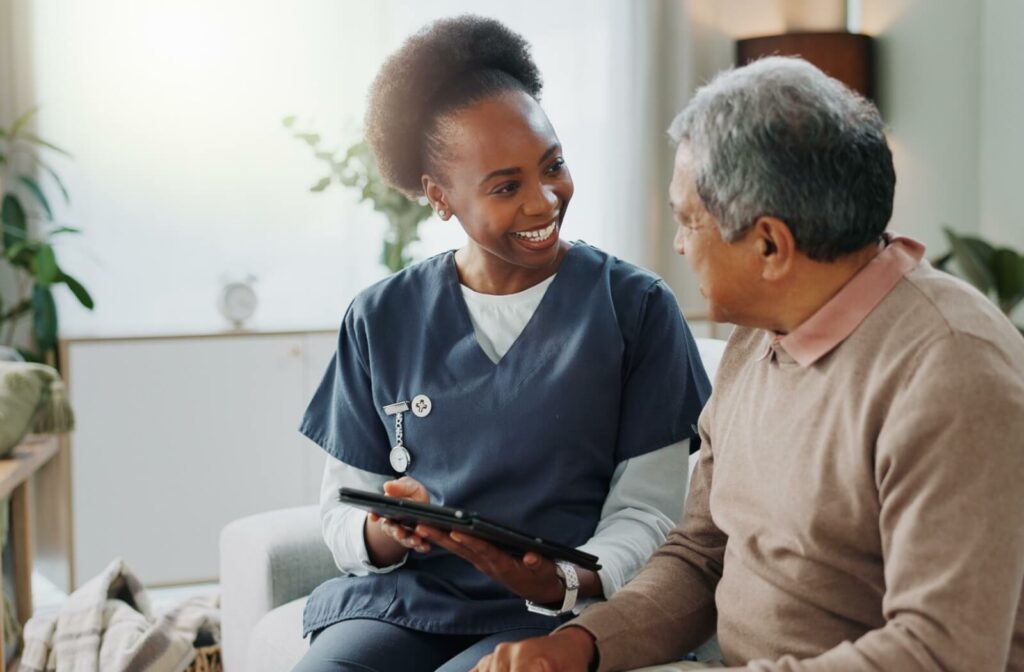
{"type": "Point", "coordinates": [44, 318]}
{"type": "Point", "coordinates": [974, 257]}
{"type": "Point", "coordinates": [36, 140]}
{"type": "Point", "coordinates": [14, 250]}
{"type": "Point", "coordinates": [31, 356]}
{"type": "Point", "coordinates": [17, 310]}
{"type": "Point", "coordinates": [55, 177]}
{"type": "Point", "coordinates": [46, 270]}
{"type": "Point", "coordinates": [321, 185]}
{"type": "Point", "coordinates": [1008, 269]}
{"type": "Point", "coordinates": [23, 254]}
{"type": "Point", "coordinates": [78, 290]}
{"type": "Point", "coordinates": [33, 188]}
{"type": "Point", "coordinates": [12, 215]}
{"type": "Point", "coordinates": [63, 229]}
{"type": "Point", "coordinates": [942, 262]}
{"type": "Point", "coordinates": [20, 122]}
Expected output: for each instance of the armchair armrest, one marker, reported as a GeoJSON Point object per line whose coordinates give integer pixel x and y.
{"type": "Point", "coordinates": [267, 560]}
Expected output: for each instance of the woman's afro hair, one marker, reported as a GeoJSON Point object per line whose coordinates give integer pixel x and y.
{"type": "Point", "coordinates": [447, 65]}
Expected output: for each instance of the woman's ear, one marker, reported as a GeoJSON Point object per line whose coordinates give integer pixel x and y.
{"type": "Point", "coordinates": [776, 247]}
{"type": "Point", "coordinates": [435, 196]}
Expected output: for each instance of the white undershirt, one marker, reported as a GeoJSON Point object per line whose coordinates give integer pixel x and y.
{"type": "Point", "coordinates": [645, 497]}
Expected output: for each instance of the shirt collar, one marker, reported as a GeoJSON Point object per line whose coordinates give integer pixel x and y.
{"type": "Point", "coordinates": [836, 320]}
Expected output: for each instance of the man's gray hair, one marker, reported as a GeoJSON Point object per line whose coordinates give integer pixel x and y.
{"type": "Point", "coordinates": [780, 138]}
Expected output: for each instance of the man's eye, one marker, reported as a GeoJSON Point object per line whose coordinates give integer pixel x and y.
{"type": "Point", "coordinates": [557, 165]}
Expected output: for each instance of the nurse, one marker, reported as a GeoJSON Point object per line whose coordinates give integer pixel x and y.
{"type": "Point", "coordinates": [543, 383]}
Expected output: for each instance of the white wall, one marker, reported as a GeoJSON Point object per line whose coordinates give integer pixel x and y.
{"type": "Point", "coordinates": [950, 88]}
{"type": "Point", "coordinates": [183, 175]}
{"type": "Point", "coordinates": [1001, 145]}
{"type": "Point", "coordinates": [929, 69]}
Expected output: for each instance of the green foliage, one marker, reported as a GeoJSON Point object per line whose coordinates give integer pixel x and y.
{"type": "Point", "coordinates": [996, 272]}
{"type": "Point", "coordinates": [27, 250]}
{"type": "Point", "coordinates": [356, 169]}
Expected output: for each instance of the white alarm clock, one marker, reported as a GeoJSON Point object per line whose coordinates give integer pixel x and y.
{"type": "Point", "coordinates": [238, 301]}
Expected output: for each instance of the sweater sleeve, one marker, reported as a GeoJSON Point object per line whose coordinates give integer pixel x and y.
{"type": "Point", "coordinates": [949, 466]}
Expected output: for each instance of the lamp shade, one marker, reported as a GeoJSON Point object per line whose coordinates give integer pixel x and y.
{"type": "Point", "coordinates": [848, 57]}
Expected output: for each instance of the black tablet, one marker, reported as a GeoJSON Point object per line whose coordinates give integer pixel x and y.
{"type": "Point", "coordinates": [409, 513]}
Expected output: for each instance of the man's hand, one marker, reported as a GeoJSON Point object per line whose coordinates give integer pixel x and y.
{"type": "Point", "coordinates": [568, 650]}
{"type": "Point", "coordinates": [531, 576]}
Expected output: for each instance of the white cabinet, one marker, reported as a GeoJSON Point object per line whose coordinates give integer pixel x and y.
{"type": "Point", "coordinates": [178, 436]}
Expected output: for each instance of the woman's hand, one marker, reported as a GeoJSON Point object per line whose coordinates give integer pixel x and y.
{"type": "Point", "coordinates": [531, 576]}
{"type": "Point", "coordinates": [568, 650]}
{"type": "Point", "coordinates": [387, 542]}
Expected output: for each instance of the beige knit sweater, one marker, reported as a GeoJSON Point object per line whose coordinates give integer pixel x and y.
{"type": "Point", "coordinates": [865, 512]}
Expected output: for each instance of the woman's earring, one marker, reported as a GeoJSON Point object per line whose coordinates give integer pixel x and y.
{"type": "Point", "coordinates": [442, 213]}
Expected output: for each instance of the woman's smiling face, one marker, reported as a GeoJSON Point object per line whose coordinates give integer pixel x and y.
{"type": "Point", "coordinates": [505, 180]}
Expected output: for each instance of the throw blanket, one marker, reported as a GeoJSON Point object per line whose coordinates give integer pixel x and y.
{"type": "Point", "coordinates": [107, 625]}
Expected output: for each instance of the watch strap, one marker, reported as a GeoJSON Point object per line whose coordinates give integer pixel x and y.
{"type": "Point", "coordinates": [567, 574]}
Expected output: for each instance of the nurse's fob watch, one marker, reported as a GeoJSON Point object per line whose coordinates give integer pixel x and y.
{"type": "Point", "coordinates": [400, 457]}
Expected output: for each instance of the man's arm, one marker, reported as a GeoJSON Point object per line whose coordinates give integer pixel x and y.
{"type": "Point", "coordinates": [668, 608]}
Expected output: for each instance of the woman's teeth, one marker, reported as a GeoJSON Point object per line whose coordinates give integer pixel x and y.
{"type": "Point", "coordinates": [538, 235]}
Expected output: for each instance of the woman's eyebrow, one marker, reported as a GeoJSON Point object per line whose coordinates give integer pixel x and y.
{"type": "Point", "coordinates": [501, 171]}
{"type": "Point", "coordinates": [515, 171]}
{"type": "Point", "coordinates": [547, 155]}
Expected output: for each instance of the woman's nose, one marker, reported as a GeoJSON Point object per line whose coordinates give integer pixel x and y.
{"type": "Point", "coordinates": [543, 200]}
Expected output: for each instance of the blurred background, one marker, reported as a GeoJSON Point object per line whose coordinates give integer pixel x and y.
{"type": "Point", "coordinates": [182, 178]}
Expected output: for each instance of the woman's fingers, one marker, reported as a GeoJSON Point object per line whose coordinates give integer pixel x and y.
{"type": "Point", "coordinates": [404, 536]}
{"type": "Point", "coordinates": [407, 488]}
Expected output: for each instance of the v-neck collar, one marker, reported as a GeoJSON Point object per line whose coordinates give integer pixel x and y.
{"type": "Point", "coordinates": [464, 327]}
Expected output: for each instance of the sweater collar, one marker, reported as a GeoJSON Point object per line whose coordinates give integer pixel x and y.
{"type": "Point", "coordinates": [831, 324]}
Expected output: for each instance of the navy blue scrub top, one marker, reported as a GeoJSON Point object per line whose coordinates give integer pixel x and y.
{"type": "Point", "coordinates": [604, 371]}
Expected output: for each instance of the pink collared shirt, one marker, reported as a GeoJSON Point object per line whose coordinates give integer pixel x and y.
{"type": "Point", "coordinates": [836, 320]}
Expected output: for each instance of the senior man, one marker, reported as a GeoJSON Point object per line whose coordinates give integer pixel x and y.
{"type": "Point", "coordinates": [858, 503]}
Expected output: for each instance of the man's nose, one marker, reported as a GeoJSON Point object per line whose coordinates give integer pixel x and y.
{"type": "Point", "coordinates": [678, 242]}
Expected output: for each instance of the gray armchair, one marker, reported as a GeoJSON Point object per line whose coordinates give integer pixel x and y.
{"type": "Point", "coordinates": [270, 562]}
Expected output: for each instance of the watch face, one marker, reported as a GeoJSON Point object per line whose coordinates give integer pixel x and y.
{"type": "Point", "coordinates": [238, 302]}
{"type": "Point", "coordinates": [400, 459]}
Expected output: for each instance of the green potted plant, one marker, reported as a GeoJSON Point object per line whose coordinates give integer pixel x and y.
{"type": "Point", "coordinates": [997, 272]}
{"type": "Point", "coordinates": [356, 169]}
{"type": "Point", "coordinates": [26, 244]}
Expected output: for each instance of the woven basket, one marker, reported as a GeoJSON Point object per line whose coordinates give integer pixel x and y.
{"type": "Point", "coordinates": [207, 660]}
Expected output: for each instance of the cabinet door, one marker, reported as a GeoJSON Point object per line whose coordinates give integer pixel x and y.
{"type": "Point", "coordinates": [318, 348]}
{"type": "Point", "coordinates": [177, 437]}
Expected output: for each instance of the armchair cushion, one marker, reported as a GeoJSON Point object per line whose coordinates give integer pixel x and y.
{"type": "Point", "coordinates": [268, 560]}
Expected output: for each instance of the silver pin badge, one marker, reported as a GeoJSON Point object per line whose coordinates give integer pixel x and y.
{"type": "Point", "coordinates": [399, 457]}
{"type": "Point", "coordinates": [421, 405]}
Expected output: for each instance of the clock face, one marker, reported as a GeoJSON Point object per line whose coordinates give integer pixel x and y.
{"type": "Point", "coordinates": [238, 302]}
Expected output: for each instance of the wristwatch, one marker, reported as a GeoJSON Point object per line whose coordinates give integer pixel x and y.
{"type": "Point", "coordinates": [566, 572]}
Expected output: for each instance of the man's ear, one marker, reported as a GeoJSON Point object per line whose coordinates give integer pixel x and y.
{"type": "Point", "coordinates": [436, 197]}
{"type": "Point", "coordinates": [776, 247]}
